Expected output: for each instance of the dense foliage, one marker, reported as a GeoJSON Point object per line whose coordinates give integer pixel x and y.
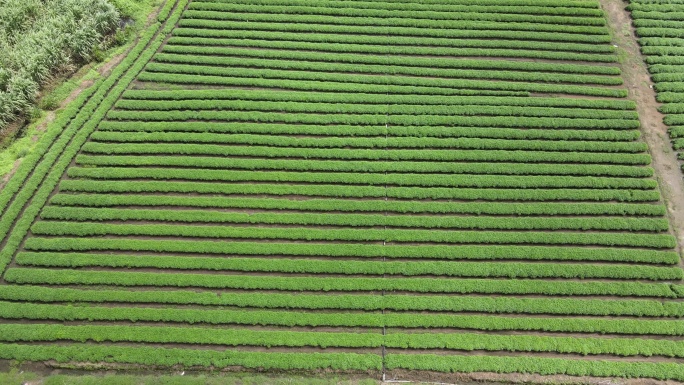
{"type": "Point", "coordinates": [39, 38]}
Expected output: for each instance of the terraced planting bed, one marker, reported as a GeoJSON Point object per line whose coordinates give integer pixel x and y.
{"type": "Point", "coordinates": [383, 187]}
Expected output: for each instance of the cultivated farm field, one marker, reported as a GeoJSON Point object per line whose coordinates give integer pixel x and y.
{"type": "Point", "coordinates": [371, 186]}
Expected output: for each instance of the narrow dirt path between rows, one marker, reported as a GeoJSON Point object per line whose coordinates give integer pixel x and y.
{"type": "Point", "coordinates": [654, 131]}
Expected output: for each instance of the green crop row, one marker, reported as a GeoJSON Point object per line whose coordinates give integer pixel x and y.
{"type": "Point", "coordinates": [355, 235]}
{"type": "Point", "coordinates": [665, 59]}
{"type": "Point", "coordinates": [658, 24]}
{"type": "Point", "coordinates": [22, 310]}
{"type": "Point", "coordinates": [531, 8]}
{"type": "Point", "coordinates": [322, 108]}
{"type": "Point", "coordinates": [383, 144]}
{"type": "Point", "coordinates": [280, 145]}
{"type": "Point", "coordinates": [418, 193]}
{"type": "Point", "coordinates": [370, 205]}
{"type": "Point", "coordinates": [165, 357]}
{"type": "Point", "coordinates": [364, 166]}
{"type": "Point", "coordinates": [391, 251]}
{"type": "Point", "coordinates": [675, 120]}
{"type": "Point", "coordinates": [676, 131]}
{"type": "Point", "coordinates": [671, 83]}
{"type": "Point", "coordinates": [647, 3]}
{"type": "Point", "coordinates": [311, 85]}
{"type": "Point", "coordinates": [186, 335]}
{"type": "Point", "coordinates": [678, 144]}
{"type": "Point", "coordinates": [216, 45]}
{"type": "Point", "coordinates": [284, 283]}
{"type": "Point", "coordinates": [668, 77]}
{"type": "Point", "coordinates": [370, 131]}
{"type": "Point", "coordinates": [653, 14]}
{"type": "Point", "coordinates": [670, 20]}
{"type": "Point", "coordinates": [395, 109]}
{"type": "Point", "coordinates": [373, 119]}
{"type": "Point", "coordinates": [547, 324]}
{"type": "Point", "coordinates": [661, 41]}
{"type": "Point", "coordinates": [374, 302]}
{"type": "Point", "coordinates": [670, 97]}
{"type": "Point", "coordinates": [664, 51]}
{"type": "Point", "coordinates": [673, 108]}
{"type": "Point", "coordinates": [307, 266]}
{"type": "Point", "coordinates": [48, 173]}
{"type": "Point", "coordinates": [464, 30]}
{"type": "Point", "coordinates": [574, 4]}
{"type": "Point", "coordinates": [381, 84]}
{"type": "Point", "coordinates": [589, 26]}
{"type": "Point", "coordinates": [370, 99]}
{"type": "Point", "coordinates": [652, 5]}
{"type": "Point", "coordinates": [317, 37]}
{"type": "Point", "coordinates": [356, 220]}
{"type": "Point", "coordinates": [165, 11]}
{"type": "Point", "coordinates": [405, 16]}
{"type": "Point", "coordinates": [396, 61]}
{"type": "Point", "coordinates": [526, 343]}
{"type": "Point", "coordinates": [665, 68]}
{"type": "Point", "coordinates": [538, 365]}
{"type": "Point", "coordinates": [484, 151]}
{"type": "Point", "coordinates": [393, 179]}
{"type": "Point", "coordinates": [475, 12]}
{"type": "Point", "coordinates": [655, 29]}
{"type": "Point", "coordinates": [269, 338]}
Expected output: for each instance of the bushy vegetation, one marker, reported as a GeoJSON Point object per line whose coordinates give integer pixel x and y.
{"type": "Point", "coordinates": [39, 38]}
